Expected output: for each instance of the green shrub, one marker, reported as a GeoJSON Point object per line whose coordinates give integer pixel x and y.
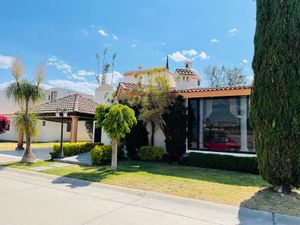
{"type": "Point", "coordinates": [71, 149]}
{"type": "Point", "coordinates": [224, 162]}
{"type": "Point", "coordinates": [150, 153]}
{"type": "Point", "coordinates": [101, 155]}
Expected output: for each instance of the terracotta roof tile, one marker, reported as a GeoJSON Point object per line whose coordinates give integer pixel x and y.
{"type": "Point", "coordinates": [186, 72]}
{"type": "Point", "coordinates": [129, 86]}
{"type": "Point", "coordinates": [72, 103]}
{"type": "Point", "coordinates": [211, 89]}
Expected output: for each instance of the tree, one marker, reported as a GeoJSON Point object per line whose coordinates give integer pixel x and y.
{"type": "Point", "coordinates": [275, 98]}
{"type": "Point", "coordinates": [222, 77]}
{"type": "Point", "coordinates": [137, 137]}
{"type": "Point", "coordinates": [174, 128]}
{"type": "Point", "coordinates": [153, 100]}
{"type": "Point", "coordinates": [116, 120]}
{"type": "Point", "coordinates": [26, 94]}
{"type": "Point", "coordinates": [105, 67]}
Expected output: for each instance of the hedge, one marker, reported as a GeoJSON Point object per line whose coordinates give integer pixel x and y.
{"type": "Point", "coordinates": [223, 162]}
{"type": "Point", "coordinates": [150, 153]}
{"type": "Point", "coordinates": [71, 149]}
{"type": "Point", "coordinates": [101, 155]}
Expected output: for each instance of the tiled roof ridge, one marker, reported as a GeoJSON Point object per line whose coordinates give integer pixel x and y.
{"type": "Point", "coordinates": [203, 89]}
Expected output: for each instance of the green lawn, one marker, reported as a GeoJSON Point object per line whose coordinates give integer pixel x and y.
{"type": "Point", "coordinates": [231, 188]}
{"type": "Point", "coordinates": [5, 146]}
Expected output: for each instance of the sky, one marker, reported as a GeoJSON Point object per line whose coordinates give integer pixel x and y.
{"type": "Point", "coordinates": [65, 35]}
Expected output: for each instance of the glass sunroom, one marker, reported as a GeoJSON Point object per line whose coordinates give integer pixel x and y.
{"type": "Point", "coordinates": [218, 120]}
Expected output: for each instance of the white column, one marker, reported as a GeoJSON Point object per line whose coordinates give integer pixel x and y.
{"type": "Point", "coordinates": [201, 134]}
{"type": "Point", "coordinates": [243, 127]}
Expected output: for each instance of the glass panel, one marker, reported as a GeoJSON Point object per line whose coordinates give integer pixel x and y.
{"type": "Point", "coordinates": [193, 124]}
{"type": "Point", "coordinates": [222, 124]}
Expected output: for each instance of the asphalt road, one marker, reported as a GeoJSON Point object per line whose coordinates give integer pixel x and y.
{"type": "Point", "coordinates": [37, 199]}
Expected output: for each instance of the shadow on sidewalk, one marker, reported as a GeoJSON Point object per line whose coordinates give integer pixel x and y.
{"type": "Point", "coordinates": [81, 179]}
{"type": "Point", "coordinates": [269, 201]}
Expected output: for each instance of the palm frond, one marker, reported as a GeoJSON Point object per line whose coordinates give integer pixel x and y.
{"type": "Point", "coordinates": [17, 69]}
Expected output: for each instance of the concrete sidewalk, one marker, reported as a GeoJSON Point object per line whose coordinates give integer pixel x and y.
{"type": "Point", "coordinates": [33, 198]}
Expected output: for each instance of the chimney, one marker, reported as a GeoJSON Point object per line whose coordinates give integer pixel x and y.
{"type": "Point", "coordinates": [188, 65]}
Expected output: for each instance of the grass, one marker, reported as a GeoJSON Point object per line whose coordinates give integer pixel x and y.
{"type": "Point", "coordinates": [6, 146]}
{"type": "Point", "coordinates": [233, 188]}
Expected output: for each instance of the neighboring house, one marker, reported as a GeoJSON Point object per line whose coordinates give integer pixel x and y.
{"type": "Point", "coordinates": [218, 118]}
{"type": "Point", "coordinates": [48, 130]}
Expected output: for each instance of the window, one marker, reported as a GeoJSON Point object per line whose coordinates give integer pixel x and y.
{"type": "Point", "coordinates": [44, 123]}
{"type": "Point", "coordinates": [220, 124]}
{"type": "Point", "coordinates": [187, 79]}
{"type": "Point", "coordinates": [68, 127]}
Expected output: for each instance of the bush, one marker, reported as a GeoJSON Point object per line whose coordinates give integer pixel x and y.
{"type": "Point", "coordinates": [101, 155]}
{"type": "Point", "coordinates": [150, 153]}
{"type": "Point", "coordinates": [71, 149]}
{"type": "Point", "coordinates": [137, 137]}
{"type": "Point", "coordinates": [224, 162]}
{"type": "Point", "coordinates": [174, 129]}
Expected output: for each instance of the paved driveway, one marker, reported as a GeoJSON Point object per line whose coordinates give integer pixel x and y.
{"type": "Point", "coordinates": [29, 198]}
{"type": "Point", "coordinates": [15, 155]}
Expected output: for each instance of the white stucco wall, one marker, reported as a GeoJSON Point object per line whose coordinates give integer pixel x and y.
{"type": "Point", "coordinates": [103, 93]}
{"type": "Point", "coordinates": [185, 82]}
{"type": "Point", "coordinates": [145, 78]}
{"type": "Point", "coordinates": [159, 137]}
{"type": "Point", "coordinates": [48, 133]}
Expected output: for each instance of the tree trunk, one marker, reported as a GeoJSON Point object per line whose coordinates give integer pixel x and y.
{"type": "Point", "coordinates": [114, 154]}
{"type": "Point", "coordinates": [152, 133]}
{"type": "Point", "coordinates": [20, 141]}
{"type": "Point", "coordinates": [28, 156]}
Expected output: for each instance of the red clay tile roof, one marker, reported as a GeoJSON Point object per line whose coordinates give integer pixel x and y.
{"type": "Point", "coordinates": [129, 86]}
{"type": "Point", "coordinates": [72, 103]}
{"type": "Point", "coordinates": [211, 89]}
{"type": "Point", "coordinates": [186, 72]}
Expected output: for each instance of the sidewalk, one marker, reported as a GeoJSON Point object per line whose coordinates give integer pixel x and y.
{"type": "Point", "coordinates": [33, 198]}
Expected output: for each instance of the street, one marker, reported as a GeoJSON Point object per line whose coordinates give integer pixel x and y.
{"type": "Point", "coordinates": [35, 198]}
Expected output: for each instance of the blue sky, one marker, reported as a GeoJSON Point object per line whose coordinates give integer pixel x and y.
{"type": "Point", "coordinates": [66, 34]}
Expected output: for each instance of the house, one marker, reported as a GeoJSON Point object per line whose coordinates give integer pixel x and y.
{"type": "Point", "coordinates": [218, 118]}
{"type": "Point", "coordinates": [48, 129]}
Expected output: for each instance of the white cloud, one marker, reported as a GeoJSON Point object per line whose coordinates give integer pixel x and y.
{"type": "Point", "coordinates": [85, 73]}
{"type": "Point", "coordinates": [203, 55]}
{"type": "Point", "coordinates": [76, 77]}
{"type": "Point", "coordinates": [178, 57]}
{"type": "Point", "coordinates": [4, 85]}
{"type": "Point", "coordinates": [46, 86]}
{"type": "Point", "coordinates": [191, 52]}
{"type": "Point", "coordinates": [233, 31]}
{"type": "Point", "coordinates": [82, 86]}
{"type": "Point", "coordinates": [245, 61]}
{"type": "Point", "coordinates": [214, 40]}
{"type": "Point", "coordinates": [59, 65]}
{"type": "Point", "coordinates": [6, 61]}
{"type": "Point", "coordinates": [133, 45]}
{"type": "Point", "coordinates": [115, 37]}
{"type": "Point", "coordinates": [115, 78]}
{"type": "Point", "coordinates": [103, 33]}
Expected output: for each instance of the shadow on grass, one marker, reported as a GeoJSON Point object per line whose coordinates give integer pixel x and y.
{"type": "Point", "coordinates": [269, 201]}
{"type": "Point", "coordinates": [96, 174]}
{"type": "Point", "coordinates": [196, 173]}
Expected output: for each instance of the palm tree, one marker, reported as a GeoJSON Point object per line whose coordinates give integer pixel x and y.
{"type": "Point", "coordinates": [26, 94]}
